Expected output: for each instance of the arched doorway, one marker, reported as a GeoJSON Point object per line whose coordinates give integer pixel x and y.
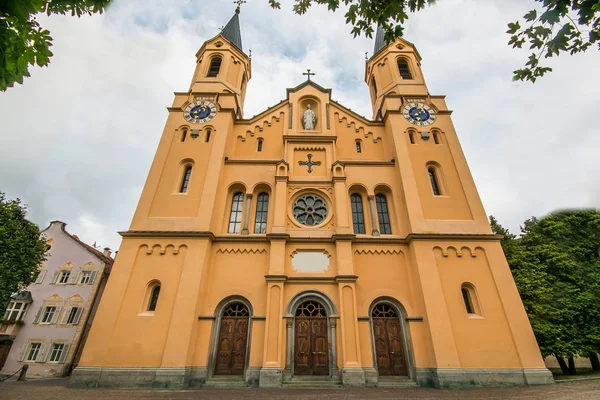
{"type": "Point", "coordinates": [390, 353]}
{"type": "Point", "coordinates": [232, 342]}
{"type": "Point", "coordinates": [311, 350]}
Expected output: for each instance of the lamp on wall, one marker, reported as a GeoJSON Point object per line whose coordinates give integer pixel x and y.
{"type": "Point", "coordinates": [424, 135]}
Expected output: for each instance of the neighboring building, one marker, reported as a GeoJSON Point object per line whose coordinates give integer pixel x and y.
{"type": "Point", "coordinates": [310, 243]}
{"type": "Point", "coordinates": [49, 321]}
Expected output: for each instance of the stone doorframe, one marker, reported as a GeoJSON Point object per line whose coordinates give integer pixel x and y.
{"type": "Point", "coordinates": [214, 341]}
{"type": "Point", "coordinates": [332, 318]}
{"type": "Point", "coordinates": [406, 340]}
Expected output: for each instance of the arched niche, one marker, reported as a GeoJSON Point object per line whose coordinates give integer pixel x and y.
{"type": "Point", "coordinates": [315, 106]}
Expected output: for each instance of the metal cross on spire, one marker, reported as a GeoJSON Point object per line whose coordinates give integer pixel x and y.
{"type": "Point", "coordinates": [308, 73]}
{"type": "Point", "coordinates": [239, 3]}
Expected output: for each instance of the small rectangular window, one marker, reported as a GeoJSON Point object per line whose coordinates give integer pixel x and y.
{"type": "Point", "coordinates": [48, 314]}
{"type": "Point", "coordinates": [259, 147]}
{"type": "Point", "coordinates": [72, 318]}
{"type": "Point", "coordinates": [15, 311]}
{"type": "Point", "coordinates": [358, 147]}
{"type": "Point", "coordinates": [34, 351]}
{"type": "Point", "coordinates": [64, 277]}
{"type": "Point", "coordinates": [85, 277]}
{"type": "Point", "coordinates": [57, 352]}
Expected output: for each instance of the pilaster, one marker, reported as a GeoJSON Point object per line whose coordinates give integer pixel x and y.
{"type": "Point", "coordinates": [435, 309]}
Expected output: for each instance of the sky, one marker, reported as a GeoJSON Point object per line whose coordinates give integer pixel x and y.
{"type": "Point", "coordinates": [77, 139]}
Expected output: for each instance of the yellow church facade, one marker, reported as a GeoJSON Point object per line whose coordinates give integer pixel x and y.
{"type": "Point", "coordinates": [309, 245]}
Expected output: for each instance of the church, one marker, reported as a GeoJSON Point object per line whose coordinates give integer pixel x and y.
{"type": "Point", "coordinates": [309, 246]}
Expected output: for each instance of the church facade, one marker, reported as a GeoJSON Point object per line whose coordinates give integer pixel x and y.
{"type": "Point", "coordinates": [309, 245]}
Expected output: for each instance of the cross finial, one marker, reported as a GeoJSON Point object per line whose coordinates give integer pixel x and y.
{"type": "Point", "coordinates": [221, 28]}
{"type": "Point", "coordinates": [308, 73]}
{"type": "Point", "coordinates": [239, 3]}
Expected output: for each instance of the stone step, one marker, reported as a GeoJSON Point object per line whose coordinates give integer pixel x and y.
{"type": "Point", "coordinates": [396, 382]}
{"type": "Point", "coordinates": [312, 385]}
{"type": "Point", "coordinates": [225, 382]}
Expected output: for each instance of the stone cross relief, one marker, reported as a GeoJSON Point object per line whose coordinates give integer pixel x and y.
{"type": "Point", "coordinates": [309, 119]}
{"type": "Point", "coordinates": [309, 163]}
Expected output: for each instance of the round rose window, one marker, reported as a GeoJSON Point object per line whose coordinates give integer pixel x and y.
{"type": "Point", "coordinates": [310, 210]}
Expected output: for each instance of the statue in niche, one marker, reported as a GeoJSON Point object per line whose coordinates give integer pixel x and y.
{"type": "Point", "coordinates": [309, 119]}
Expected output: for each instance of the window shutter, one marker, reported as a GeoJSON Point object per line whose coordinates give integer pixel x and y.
{"type": "Point", "coordinates": [64, 353]}
{"type": "Point", "coordinates": [93, 277]}
{"type": "Point", "coordinates": [41, 275]}
{"type": "Point", "coordinates": [66, 315]}
{"type": "Point", "coordinates": [55, 276]}
{"type": "Point", "coordinates": [73, 277]}
{"type": "Point", "coordinates": [24, 350]}
{"type": "Point", "coordinates": [78, 315]}
{"type": "Point", "coordinates": [56, 314]}
{"type": "Point", "coordinates": [43, 353]}
{"type": "Point", "coordinates": [36, 320]}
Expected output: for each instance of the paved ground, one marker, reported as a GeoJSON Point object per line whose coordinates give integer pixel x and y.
{"type": "Point", "coordinates": [57, 389]}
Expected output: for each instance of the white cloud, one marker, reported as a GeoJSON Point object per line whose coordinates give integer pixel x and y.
{"type": "Point", "coordinates": [78, 138]}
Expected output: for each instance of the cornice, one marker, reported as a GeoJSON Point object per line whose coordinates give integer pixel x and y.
{"type": "Point", "coordinates": [260, 162]}
{"type": "Point", "coordinates": [307, 279]}
{"type": "Point", "coordinates": [328, 239]}
{"type": "Point", "coordinates": [310, 138]}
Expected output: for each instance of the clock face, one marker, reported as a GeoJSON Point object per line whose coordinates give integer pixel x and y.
{"type": "Point", "coordinates": [419, 114]}
{"type": "Point", "coordinates": [200, 111]}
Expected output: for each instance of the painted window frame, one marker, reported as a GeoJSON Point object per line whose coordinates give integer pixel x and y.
{"type": "Point", "coordinates": [236, 213]}
{"type": "Point", "coordinates": [383, 212]}
{"type": "Point", "coordinates": [359, 228]}
{"type": "Point", "coordinates": [261, 215]}
{"type": "Point", "coordinates": [20, 312]}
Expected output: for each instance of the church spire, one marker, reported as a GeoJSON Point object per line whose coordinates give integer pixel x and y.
{"type": "Point", "coordinates": [232, 32]}
{"type": "Point", "coordinates": [379, 40]}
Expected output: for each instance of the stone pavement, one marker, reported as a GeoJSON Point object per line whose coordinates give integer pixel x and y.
{"type": "Point", "coordinates": [57, 389]}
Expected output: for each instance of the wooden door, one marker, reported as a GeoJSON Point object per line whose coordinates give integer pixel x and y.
{"type": "Point", "coordinates": [233, 338]}
{"type": "Point", "coordinates": [4, 350]}
{"type": "Point", "coordinates": [311, 345]}
{"type": "Point", "coordinates": [389, 349]}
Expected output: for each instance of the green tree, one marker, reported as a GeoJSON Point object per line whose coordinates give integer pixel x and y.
{"type": "Point", "coordinates": [557, 26]}
{"type": "Point", "coordinates": [22, 249]}
{"type": "Point", "coordinates": [23, 42]}
{"type": "Point", "coordinates": [556, 266]}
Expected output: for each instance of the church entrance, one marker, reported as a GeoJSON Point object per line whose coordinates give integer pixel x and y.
{"type": "Point", "coordinates": [311, 342]}
{"type": "Point", "coordinates": [389, 349]}
{"type": "Point", "coordinates": [233, 337]}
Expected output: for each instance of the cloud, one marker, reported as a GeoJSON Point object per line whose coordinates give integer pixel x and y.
{"type": "Point", "coordinates": [78, 138]}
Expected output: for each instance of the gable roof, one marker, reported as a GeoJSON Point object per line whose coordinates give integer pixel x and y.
{"type": "Point", "coordinates": [107, 260]}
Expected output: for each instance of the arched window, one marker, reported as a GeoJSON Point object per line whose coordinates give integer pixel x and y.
{"type": "Point", "coordinates": [358, 147]}
{"type": "Point", "coordinates": [235, 218]}
{"type": "Point", "coordinates": [374, 88]}
{"type": "Point", "coordinates": [467, 299]}
{"type": "Point", "coordinates": [434, 181]}
{"type": "Point", "coordinates": [358, 216]}
{"type": "Point", "coordinates": [215, 66]}
{"type": "Point", "coordinates": [259, 145]}
{"type": "Point", "coordinates": [262, 208]}
{"type": "Point", "coordinates": [404, 69]}
{"type": "Point", "coordinates": [383, 215]}
{"type": "Point", "coordinates": [186, 179]}
{"type": "Point", "coordinates": [243, 83]}
{"type": "Point", "coordinates": [183, 135]}
{"type": "Point", "coordinates": [411, 136]}
{"type": "Point", "coordinates": [207, 138]}
{"type": "Point", "coordinates": [436, 137]}
{"type": "Point", "coordinates": [472, 306]}
{"type": "Point", "coordinates": [154, 293]}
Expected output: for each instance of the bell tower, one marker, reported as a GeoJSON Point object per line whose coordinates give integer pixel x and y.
{"type": "Point", "coordinates": [393, 70]}
{"type": "Point", "coordinates": [223, 68]}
